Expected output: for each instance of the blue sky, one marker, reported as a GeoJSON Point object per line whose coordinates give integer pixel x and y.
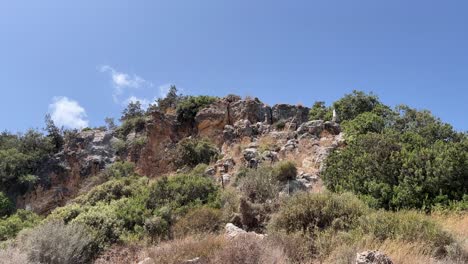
{"type": "Point", "coordinates": [82, 60]}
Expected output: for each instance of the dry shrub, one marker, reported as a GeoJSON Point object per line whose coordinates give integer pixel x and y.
{"type": "Point", "coordinates": [179, 250]}
{"type": "Point", "coordinates": [13, 255]}
{"type": "Point", "coordinates": [201, 220]}
{"type": "Point", "coordinates": [57, 243]}
{"type": "Point", "coordinates": [296, 247]}
{"type": "Point", "coordinates": [120, 254]}
{"type": "Point", "coordinates": [248, 249]}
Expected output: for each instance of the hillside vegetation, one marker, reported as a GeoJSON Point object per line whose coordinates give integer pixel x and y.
{"type": "Point", "coordinates": [267, 187]}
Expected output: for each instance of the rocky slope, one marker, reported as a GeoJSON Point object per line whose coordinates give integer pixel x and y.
{"type": "Point", "coordinates": [247, 131]}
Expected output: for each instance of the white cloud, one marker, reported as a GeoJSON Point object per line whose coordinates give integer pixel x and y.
{"type": "Point", "coordinates": [144, 102]}
{"type": "Point", "coordinates": [68, 113]}
{"type": "Point", "coordinates": [122, 81]}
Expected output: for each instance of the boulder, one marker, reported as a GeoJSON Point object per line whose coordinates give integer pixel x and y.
{"type": "Point", "coordinates": [332, 127]}
{"type": "Point", "coordinates": [250, 153]}
{"type": "Point", "coordinates": [231, 231]}
{"type": "Point", "coordinates": [314, 127]}
{"type": "Point", "coordinates": [372, 257]}
{"type": "Point", "coordinates": [290, 113]}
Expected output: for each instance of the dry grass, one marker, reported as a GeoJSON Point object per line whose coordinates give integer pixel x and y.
{"type": "Point", "coordinates": [180, 250]}
{"type": "Point", "coordinates": [456, 224]}
{"type": "Point", "coordinates": [245, 249]}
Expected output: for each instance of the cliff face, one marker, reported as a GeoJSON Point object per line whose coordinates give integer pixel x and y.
{"type": "Point", "coordinates": [84, 156]}
{"type": "Point", "coordinates": [248, 133]}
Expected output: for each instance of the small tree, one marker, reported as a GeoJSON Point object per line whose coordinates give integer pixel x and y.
{"type": "Point", "coordinates": [170, 101]}
{"type": "Point", "coordinates": [320, 112]}
{"type": "Point", "coordinates": [110, 123]}
{"type": "Point", "coordinates": [6, 206]}
{"type": "Point", "coordinates": [156, 227]}
{"type": "Point", "coordinates": [132, 110]}
{"type": "Point", "coordinates": [53, 132]}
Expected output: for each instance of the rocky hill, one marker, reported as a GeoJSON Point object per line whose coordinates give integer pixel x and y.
{"type": "Point", "coordinates": [247, 132]}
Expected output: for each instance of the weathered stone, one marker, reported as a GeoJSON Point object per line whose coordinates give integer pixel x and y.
{"type": "Point", "coordinates": [332, 127]}
{"type": "Point", "coordinates": [372, 257]}
{"type": "Point", "coordinates": [290, 113]}
{"type": "Point", "coordinates": [250, 153]}
{"type": "Point", "coordinates": [210, 171]}
{"type": "Point", "coordinates": [229, 133]}
{"type": "Point", "coordinates": [243, 128]}
{"type": "Point", "coordinates": [314, 127]}
{"type": "Point", "coordinates": [231, 231]}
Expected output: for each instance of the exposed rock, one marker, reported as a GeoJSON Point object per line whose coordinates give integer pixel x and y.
{"type": "Point", "coordinates": [231, 231]}
{"type": "Point", "coordinates": [250, 153]}
{"type": "Point", "coordinates": [372, 257]}
{"type": "Point", "coordinates": [314, 127]}
{"type": "Point", "coordinates": [250, 109]}
{"type": "Point", "coordinates": [229, 133]}
{"type": "Point", "coordinates": [270, 156]}
{"type": "Point", "coordinates": [84, 155]}
{"type": "Point", "coordinates": [289, 113]}
{"type": "Point", "coordinates": [332, 127]}
{"type": "Point", "coordinates": [243, 128]}
{"type": "Point", "coordinates": [210, 171]}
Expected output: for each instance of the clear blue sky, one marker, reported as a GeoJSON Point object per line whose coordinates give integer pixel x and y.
{"type": "Point", "coordinates": [412, 52]}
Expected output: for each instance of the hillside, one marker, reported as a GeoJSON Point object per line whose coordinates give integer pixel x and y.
{"type": "Point", "coordinates": [201, 179]}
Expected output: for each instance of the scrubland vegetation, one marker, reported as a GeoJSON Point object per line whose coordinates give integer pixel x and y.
{"type": "Point", "coordinates": [399, 185]}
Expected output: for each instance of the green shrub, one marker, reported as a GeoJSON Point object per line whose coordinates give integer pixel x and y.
{"type": "Point", "coordinates": [122, 169]}
{"type": "Point", "coordinates": [22, 219]}
{"type": "Point", "coordinates": [135, 124]}
{"type": "Point", "coordinates": [354, 104]}
{"type": "Point", "coordinates": [182, 192]}
{"type": "Point", "coordinates": [203, 220]}
{"type": "Point", "coordinates": [57, 243]}
{"type": "Point", "coordinates": [395, 174]}
{"type": "Point", "coordinates": [284, 171]}
{"type": "Point", "coordinates": [156, 227]}
{"type": "Point", "coordinates": [311, 213]}
{"type": "Point", "coordinates": [404, 225]}
{"type": "Point", "coordinates": [192, 152]}
{"type": "Point", "coordinates": [6, 206]}
{"type": "Point", "coordinates": [320, 112]}
{"type": "Point", "coordinates": [188, 107]}
{"type": "Point", "coordinates": [104, 222]}
{"type": "Point", "coordinates": [280, 125]}
{"type": "Point", "coordinates": [364, 123]}
{"type": "Point", "coordinates": [112, 190]}
{"type": "Point", "coordinates": [259, 185]}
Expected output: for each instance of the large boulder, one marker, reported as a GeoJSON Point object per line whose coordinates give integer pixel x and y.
{"type": "Point", "coordinates": [231, 231]}
{"type": "Point", "coordinates": [291, 113]}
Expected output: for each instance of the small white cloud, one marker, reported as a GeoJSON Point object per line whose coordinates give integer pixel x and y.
{"type": "Point", "coordinates": [121, 81]}
{"type": "Point", "coordinates": [68, 113]}
{"type": "Point", "coordinates": [132, 99]}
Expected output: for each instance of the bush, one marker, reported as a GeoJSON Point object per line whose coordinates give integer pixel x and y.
{"type": "Point", "coordinates": [249, 249]}
{"type": "Point", "coordinates": [280, 125]}
{"type": "Point", "coordinates": [284, 171]}
{"type": "Point", "coordinates": [259, 185]}
{"type": "Point", "coordinates": [311, 213]}
{"type": "Point", "coordinates": [180, 250]}
{"type": "Point", "coordinates": [120, 169]}
{"type": "Point", "coordinates": [192, 152]}
{"type": "Point", "coordinates": [182, 192]}
{"type": "Point", "coordinates": [189, 106]}
{"type": "Point", "coordinates": [358, 102]}
{"type": "Point", "coordinates": [156, 227]}
{"type": "Point", "coordinates": [22, 219]}
{"type": "Point", "coordinates": [203, 220]}
{"type": "Point", "coordinates": [134, 124]}
{"type": "Point", "coordinates": [55, 242]}
{"type": "Point", "coordinates": [112, 190]}
{"type": "Point", "coordinates": [405, 225]}
{"type": "Point", "coordinates": [394, 174]}
{"type": "Point", "coordinates": [320, 112]}
{"type": "Point", "coordinates": [6, 206]}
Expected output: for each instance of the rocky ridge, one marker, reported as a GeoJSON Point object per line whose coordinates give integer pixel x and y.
{"type": "Point", "coordinates": [247, 131]}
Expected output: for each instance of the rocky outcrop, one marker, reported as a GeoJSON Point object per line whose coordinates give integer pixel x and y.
{"type": "Point", "coordinates": [84, 155]}
{"type": "Point", "coordinates": [372, 257]}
